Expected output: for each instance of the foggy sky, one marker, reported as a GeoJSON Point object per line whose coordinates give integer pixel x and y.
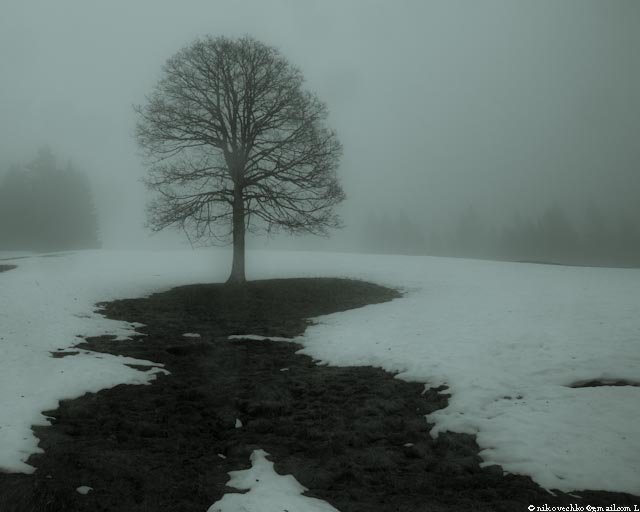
{"type": "Point", "coordinates": [502, 105]}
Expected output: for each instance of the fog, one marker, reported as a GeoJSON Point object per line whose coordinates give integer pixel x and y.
{"type": "Point", "coordinates": [500, 108]}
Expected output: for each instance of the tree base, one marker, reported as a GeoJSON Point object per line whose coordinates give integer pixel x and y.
{"type": "Point", "coordinates": [236, 280]}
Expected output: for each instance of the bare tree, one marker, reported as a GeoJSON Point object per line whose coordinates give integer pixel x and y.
{"type": "Point", "coordinates": [234, 143]}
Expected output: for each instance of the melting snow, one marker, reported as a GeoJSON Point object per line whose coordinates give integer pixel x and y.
{"type": "Point", "coordinates": [507, 339]}
{"type": "Point", "coordinates": [267, 491]}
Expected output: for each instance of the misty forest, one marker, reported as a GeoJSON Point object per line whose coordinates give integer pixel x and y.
{"type": "Point", "coordinates": [278, 256]}
{"type": "Point", "coordinates": [45, 207]}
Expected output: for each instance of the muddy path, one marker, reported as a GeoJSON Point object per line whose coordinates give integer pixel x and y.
{"type": "Point", "coordinates": [355, 436]}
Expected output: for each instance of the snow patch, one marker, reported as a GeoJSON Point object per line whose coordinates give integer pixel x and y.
{"type": "Point", "coordinates": [267, 491]}
{"type": "Point", "coordinates": [47, 305]}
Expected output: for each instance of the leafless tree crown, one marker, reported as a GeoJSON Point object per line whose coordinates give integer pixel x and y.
{"type": "Point", "coordinates": [230, 121]}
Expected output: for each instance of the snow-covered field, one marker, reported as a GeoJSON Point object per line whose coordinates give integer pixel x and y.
{"type": "Point", "coordinates": [508, 340]}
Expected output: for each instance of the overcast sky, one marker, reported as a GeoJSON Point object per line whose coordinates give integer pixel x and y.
{"type": "Point", "coordinates": [504, 105]}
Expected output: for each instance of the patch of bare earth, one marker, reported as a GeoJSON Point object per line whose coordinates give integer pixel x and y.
{"type": "Point", "coordinates": [355, 436]}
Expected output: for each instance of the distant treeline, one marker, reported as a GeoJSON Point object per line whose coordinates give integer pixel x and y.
{"type": "Point", "coordinates": [46, 208]}
{"type": "Point", "coordinates": [552, 237]}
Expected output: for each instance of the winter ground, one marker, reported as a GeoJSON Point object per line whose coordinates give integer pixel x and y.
{"type": "Point", "coordinates": [508, 340]}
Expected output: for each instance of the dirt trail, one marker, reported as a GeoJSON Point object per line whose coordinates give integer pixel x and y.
{"type": "Point", "coordinates": [355, 436]}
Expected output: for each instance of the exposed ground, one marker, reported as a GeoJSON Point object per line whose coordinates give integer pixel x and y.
{"type": "Point", "coordinates": [355, 436]}
{"type": "Point", "coordinates": [4, 268]}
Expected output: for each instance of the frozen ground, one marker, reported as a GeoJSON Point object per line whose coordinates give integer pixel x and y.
{"type": "Point", "coordinates": [508, 340]}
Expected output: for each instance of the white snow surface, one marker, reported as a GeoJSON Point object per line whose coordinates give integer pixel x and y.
{"type": "Point", "coordinates": [267, 491]}
{"type": "Point", "coordinates": [508, 340]}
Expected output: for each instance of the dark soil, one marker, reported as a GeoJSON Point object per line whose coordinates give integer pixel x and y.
{"type": "Point", "coordinates": [596, 383]}
{"type": "Point", "coordinates": [4, 268]}
{"type": "Point", "coordinates": [355, 436]}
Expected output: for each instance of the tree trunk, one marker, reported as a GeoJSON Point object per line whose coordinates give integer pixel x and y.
{"type": "Point", "coordinates": [237, 269]}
